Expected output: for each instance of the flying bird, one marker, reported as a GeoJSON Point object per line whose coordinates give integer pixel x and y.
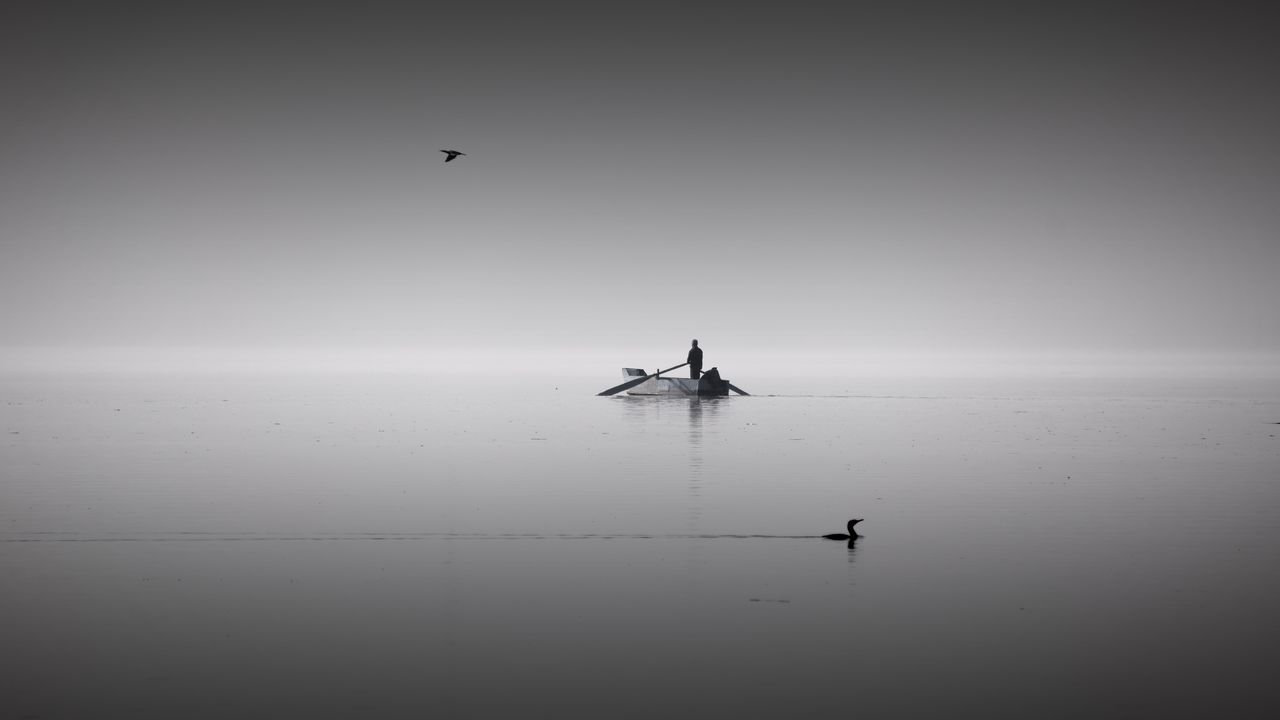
{"type": "Point", "coordinates": [451, 154]}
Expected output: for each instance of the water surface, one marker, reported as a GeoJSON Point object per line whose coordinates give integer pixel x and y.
{"type": "Point", "coordinates": [407, 546]}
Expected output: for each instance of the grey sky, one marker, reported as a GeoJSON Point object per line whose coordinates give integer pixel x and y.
{"type": "Point", "coordinates": [861, 176]}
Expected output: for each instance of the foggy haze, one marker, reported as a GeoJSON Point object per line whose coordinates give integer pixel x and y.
{"type": "Point", "coordinates": [867, 179]}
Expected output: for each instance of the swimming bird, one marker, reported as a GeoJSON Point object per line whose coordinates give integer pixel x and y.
{"type": "Point", "coordinates": [842, 536]}
{"type": "Point", "coordinates": [451, 154]}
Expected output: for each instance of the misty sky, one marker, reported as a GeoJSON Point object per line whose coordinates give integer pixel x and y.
{"type": "Point", "coordinates": [758, 175]}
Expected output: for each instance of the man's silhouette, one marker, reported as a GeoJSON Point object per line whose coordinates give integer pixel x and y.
{"type": "Point", "coordinates": [695, 361]}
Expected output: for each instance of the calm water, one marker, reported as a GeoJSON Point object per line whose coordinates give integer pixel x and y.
{"type": "Point", "coordinates": [402, 546]}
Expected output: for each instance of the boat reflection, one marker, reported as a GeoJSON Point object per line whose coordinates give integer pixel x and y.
{"type": "Point", "coordinates": [688, 421]}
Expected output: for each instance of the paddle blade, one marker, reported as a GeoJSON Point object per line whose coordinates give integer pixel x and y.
{"type": "Point", "coordinates": [738, 390]}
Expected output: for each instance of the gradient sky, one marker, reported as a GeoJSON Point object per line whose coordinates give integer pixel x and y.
{"type": "Point", "coordinates": [895, 176]}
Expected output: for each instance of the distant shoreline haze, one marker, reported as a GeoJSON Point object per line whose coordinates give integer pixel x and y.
{"type": "Point", "coordinates": [604, 363]}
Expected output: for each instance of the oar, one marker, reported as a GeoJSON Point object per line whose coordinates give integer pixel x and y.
{"type": "Point", "coordinates": [632, 383]}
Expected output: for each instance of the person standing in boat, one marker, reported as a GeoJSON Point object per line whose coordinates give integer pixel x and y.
{"type": "Point", "coordinates": [695, 361]}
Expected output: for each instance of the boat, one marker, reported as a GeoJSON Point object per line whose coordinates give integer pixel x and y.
{"type": "Point", "coordinates": [638, 383]}
{"type": "Point", "coordinates": [710, 384]}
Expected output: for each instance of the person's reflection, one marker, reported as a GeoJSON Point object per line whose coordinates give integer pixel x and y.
{"type": "Point", "coordinates": [700, 409]}
{"type": "Point", "coordinates": [695, 427]}
{"type": "Point", "coordinates": [693, 432]}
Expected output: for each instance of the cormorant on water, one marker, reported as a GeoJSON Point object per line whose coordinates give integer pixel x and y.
{"type": "Point", "coordinates": [451, 154]}
{"type": "Point", "coordinates": [841, 536]}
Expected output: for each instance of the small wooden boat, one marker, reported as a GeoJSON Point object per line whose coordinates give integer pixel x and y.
{"type": "Point", "coordinates": [710, 384]}
{"type": "Point", "coordinates": [638, 383]}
